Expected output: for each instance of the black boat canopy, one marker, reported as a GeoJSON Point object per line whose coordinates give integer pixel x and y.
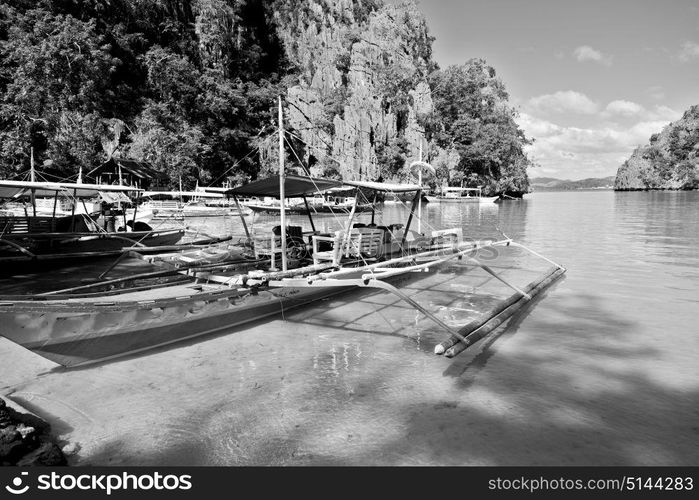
{"type": "Point", "coordinates": [295, 186]}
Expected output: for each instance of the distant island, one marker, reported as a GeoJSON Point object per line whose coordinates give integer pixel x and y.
{"type": "Point", "coordinates": [552, 184]}
{"type": "Point", "coordinates": [670, 161]}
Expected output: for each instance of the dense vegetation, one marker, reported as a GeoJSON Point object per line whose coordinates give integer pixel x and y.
{"type": "Point", "coordinates": [474, 122]}
{"type": "Point", "coordinates": [190, 86]}
{"type": "Point", "coordinates": [669, 161]}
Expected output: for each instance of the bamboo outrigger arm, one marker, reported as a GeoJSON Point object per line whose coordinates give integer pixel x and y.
{"type": "Point", "coordinates": [371, 282]}
{"type": "Point", "coordinates": [372, 278]}
{"type": "Point", "coordinates": [18, 247]}
{"type": "Point", "coordinates": [495, 275]}
{"type": "Point", "coordinates": [480, 327]}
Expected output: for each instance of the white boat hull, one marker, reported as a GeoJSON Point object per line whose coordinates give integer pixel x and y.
{"type": "Point", "coordinates": [462, 199]}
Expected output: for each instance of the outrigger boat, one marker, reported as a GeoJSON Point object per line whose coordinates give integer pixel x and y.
{"type": "Point", "coordinates": [197, 297]}
{"type": "Point", "coordinates": [461, 195]}
{"type": "Point", "coordinates": [36, 236]}
{"type": "Point", "coordinates": [190, 297]}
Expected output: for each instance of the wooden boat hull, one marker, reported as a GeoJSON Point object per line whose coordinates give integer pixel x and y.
{"type": "Point", "coordinates": [97, 327]}
{"type": "Point", "coordinates": [73, 333]}
{"type": "Point", "coordinates": [52, 247]}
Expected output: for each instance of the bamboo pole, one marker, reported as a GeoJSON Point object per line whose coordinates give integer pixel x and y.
{"type": "Point", "coordinates": [373, 208]}
{"type": "Point", "coordinates": [349, 223]}
{"type": "Point", "coordinates": [484, 318]}
{"type": "Point", "coordinates": [488, 270]}
{"type": "Point", "coordinates": [419, 183]}
{"type": "Point", "coordinates": [242, 217]}
{"type": "Point", "coordinates": [55, 206]}
{"type": "Point", "coordinates": [153, 274]}
{"type": "Point", "coordinates": [282, 200]}
{"type": "Point", "coordinates": [449, 253]}
{"type": "Point", "coordinates": [416, 199]}
{"type": "Point", "coordinates": [310, 217]}
{"type": "Point", "coordinates": [32, 173]}
{"type": "Point", "coordinates": [74, 201]}
{"type": "Point", "coordinates": [479, 328]}
{"type": "Point", "coordinates": [135, 209]}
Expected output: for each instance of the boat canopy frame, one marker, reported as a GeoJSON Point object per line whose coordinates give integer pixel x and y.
{"type": "Point", "coordinates": [109, 193]}
{"type": "Point", "coordinates": [296, 186]}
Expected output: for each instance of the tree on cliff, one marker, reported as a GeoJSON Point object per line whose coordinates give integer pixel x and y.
{"type": "Point", "coordinates": [55, 86]}
{"type": "Point", "coordinates": [193, 81]}
{"type": "Point", "coordinates": [670, 161]}
{"type": "Point", "coordinates": [193, 85]}
{"type": "Point", "coordinates": [472, 116]}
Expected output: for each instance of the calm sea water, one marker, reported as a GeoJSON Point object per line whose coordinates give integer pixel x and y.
{"type": "Point", "coordinates": [601, 370]}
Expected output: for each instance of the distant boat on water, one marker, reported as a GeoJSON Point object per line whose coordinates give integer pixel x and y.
{"type": "Point", "coordinates": [461, 195]}
{"type": "Point", "coordinates": [180, 204]}
{"type": "Point", "coordinates": [330, 202]}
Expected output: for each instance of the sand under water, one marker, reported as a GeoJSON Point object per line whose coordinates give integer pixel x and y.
{"type": "Point", "coordinates": [601, 369]}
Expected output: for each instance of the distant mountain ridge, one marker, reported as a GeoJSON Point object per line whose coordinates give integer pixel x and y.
{"type": "Point", "coordinates": [553, 184]}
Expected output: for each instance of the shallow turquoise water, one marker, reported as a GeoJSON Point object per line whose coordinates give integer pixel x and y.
{"type": "Point", "coordinates": [601, 370]}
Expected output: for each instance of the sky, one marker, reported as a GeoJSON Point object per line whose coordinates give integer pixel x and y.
{"type": "Point", "coordinates": [591, 80]}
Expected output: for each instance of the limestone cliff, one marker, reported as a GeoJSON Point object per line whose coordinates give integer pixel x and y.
{"type": "Point", "coordinates": [669, 161]}
{"type": "Point", "coordinates": [195, 83]}
{"type": "Point", "coordinates": [362, 88]}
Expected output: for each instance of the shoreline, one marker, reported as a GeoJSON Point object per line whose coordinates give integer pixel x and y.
{"type": "Point", "coordinates": [26, 439]}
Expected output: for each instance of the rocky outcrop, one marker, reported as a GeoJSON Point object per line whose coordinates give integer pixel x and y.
{"type": "Point", "coordinates": [362, 89]}
{"type": "Point", "coordinates": [669, 161]}
{"type": "Point", "coordinates": [26, 440]}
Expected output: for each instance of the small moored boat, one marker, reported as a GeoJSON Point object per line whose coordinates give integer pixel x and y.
{"type": "Point", "coordinates": [461, 195]}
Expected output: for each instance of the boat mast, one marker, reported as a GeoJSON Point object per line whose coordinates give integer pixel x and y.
{"type": "Point", "coordinates": [32, 177]}
{"type": "Point", "coordinates": [419, 182]}
{"type": "Point", "coordinates": [32, 174]}
{"type": "Point", "coordinates": [282, 198]}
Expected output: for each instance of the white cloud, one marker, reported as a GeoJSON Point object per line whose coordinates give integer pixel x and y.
{"type": "Point", "coordinates": [587, 53]}
{"type": "Point", "coordinates": [536, 127]}
{"type": "Point", "coordinates": [624, 108]}
{"type": "Point", "coordinates": [689, 51]}
{"type": "Point", "coordinates": [665, 113]}
{"type": "Point", "coordinates": [578, 152]}
{"type": "Point", "coordinates": [565, 101]}
{"type": "Point", "coordinates": [643, 130]}
{"type": "Point", "coordinates": [611, 133]}
{"type": "Point", "coordinates": [628, 109]}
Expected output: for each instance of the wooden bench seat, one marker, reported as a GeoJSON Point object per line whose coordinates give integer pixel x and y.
{"type": "Point", "coordinates": [361, 243]}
